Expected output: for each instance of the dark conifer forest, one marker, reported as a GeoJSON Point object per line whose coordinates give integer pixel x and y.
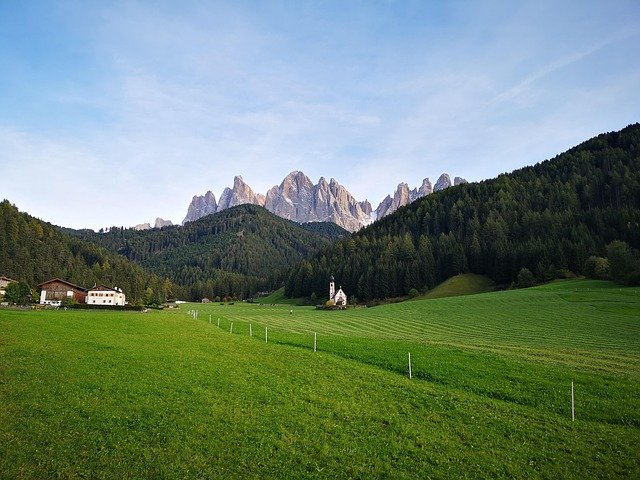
{"type": "Point", "coordinates": [33, 251]}
{"type": "Point", "coordinates": [548, 218]}
{"type": "Point", "coordinates": [233, 253]}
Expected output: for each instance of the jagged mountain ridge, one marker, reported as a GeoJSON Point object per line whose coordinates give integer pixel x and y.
{"type": "Point", "coordinates": [404, 196]}
{"type": "Point", "coordinates": [297, 198]}
{"type": "Point", "coordinates": [159, 223]}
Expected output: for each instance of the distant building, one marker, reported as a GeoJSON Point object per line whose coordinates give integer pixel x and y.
{"type": "Point", "coordinates": [338, 298]}
{"type": "Point", "coordinates": [53, 292]}
{"type": "Point", "coordinates": [4, 281]}
{"type": "Point", "coordinates": [101, 295]}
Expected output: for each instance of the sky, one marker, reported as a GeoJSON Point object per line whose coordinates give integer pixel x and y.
{"type": "Point", "coordinates": [115, 113]}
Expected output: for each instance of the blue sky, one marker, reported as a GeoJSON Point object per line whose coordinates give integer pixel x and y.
{"type": "Point", "coordinates": [115, 113]}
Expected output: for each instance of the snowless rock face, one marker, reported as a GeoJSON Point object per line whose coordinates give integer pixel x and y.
{"type": "Point", "coordinates": [240, 194]}
{"type": "Point", "coordinates": [200, 206]}
{"type": "Point", "coordinates": [425, 189]}
{"type": "Point", "coordinates": [459, 181]}
{"type": "Point", "coordinates": [162, 223]}
{"type": "Point", "coordinates": [159, 224]}
{"type": "Point", "coordinates": [403, 196]}
{"type": "Point", "coordinates": [443, 182]}
{"type": "Point", "coordinates": [385, 207]}
{"type": "Point", "coordinates": [293, 199]}
{"type": "Point", "coordinates": [366, 207]}
{"type": "Point", "coordinates": [298, 199]}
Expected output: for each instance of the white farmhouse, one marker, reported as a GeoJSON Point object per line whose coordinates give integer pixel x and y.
{"type": "Point", "coordinates": [101, 295]}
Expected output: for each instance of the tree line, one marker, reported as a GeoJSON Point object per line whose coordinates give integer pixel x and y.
{"type": "Point", "coordinates": [33, 251]}
{"type": "Point", "coordinates": [233, 253]}
{"type": "Point", "coordinates": [549, 219]}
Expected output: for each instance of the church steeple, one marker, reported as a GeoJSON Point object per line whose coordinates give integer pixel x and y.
{"type": "Point", "coordinates": [332, 287]}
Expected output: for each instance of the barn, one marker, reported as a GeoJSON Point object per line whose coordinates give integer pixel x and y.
{"type": "Point", "coordinates": [55, 291]}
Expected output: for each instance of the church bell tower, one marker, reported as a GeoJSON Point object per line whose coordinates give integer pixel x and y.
{"type": "Point", "coordinates": [332, 287]}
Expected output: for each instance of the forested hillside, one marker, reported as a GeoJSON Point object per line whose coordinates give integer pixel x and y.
{"type": "Point", "coordinates": [236, 252]}
{"type": "Point", "coordinates": [548, 218]}
{"type": "Point", "coordinates": [33, 251]}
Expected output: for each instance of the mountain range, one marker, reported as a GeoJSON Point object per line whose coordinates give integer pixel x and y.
{"type": "Point", "coordinates": [298, 199]}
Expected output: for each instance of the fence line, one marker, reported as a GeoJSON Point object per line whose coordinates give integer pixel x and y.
{"type": "Point", "coordinates": [309, 340]}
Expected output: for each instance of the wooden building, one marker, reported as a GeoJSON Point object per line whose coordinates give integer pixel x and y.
{"type": "Point", "coordinates": [53, 292]}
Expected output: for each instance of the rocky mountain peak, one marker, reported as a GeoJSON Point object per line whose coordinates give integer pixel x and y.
{"type": "Point", "coordinates": [403, 195]}
{"type": "Point", "coordinates": [366, 207]}
{"type": "Point", "coordinates": [444, 181]}
{"type": "Point", "coordinates": [162, 223]}
{"type": "Point", "coordinates": [425, 189]}
{"type": "Point", "coordinates": [459, 181]}
{"type": "Point", "coordinates": [296, 183]}
{"type": "Point", "coordinates": [158, 224]}
{"type": "Point", "coordinates": [298, 199]}
{"type": "Point", "coordinates": [240, 194]}
{"type": "Point", "coordinates": [200, 206]}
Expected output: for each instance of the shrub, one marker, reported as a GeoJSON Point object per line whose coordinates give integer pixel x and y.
{"type": "Point", "coordinates": [596, 267]}
{"type": "Point", "coordinates": [526, 278]}
{"type": "Point", "coordinates": [624, 263]}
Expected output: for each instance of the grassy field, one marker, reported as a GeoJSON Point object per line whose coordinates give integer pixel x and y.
{"type": "Point", "coordinates": [463, 284]}
{"type": "Point", "coordinates": [163, 394]}
{"type": "Point", "coordinates": [279, 298]}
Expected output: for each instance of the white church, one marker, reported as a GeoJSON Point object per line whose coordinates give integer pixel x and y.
{"type": "Point", "coordinates": [338, 298]}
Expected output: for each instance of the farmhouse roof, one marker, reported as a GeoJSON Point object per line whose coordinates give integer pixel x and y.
{"type": "Point", "coordinates": [7, 279]}
{"type": "Point", "coordinates": [104, 288]}
{"type": "Point", "coordinates": [41, 285]}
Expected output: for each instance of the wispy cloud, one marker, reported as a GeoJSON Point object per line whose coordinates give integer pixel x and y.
{"type": "Point", "coordinates": [524, 85]}
{"type": "Point", "coordinates": [161, 102]}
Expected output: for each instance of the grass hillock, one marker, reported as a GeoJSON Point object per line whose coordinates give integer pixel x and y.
{"type": "Point", "coordinates": [278, 298]}
{"type": "Point", "coordinates": [463, 284]}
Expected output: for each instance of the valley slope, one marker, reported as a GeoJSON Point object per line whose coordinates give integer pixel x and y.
{"type": "Point", "coordinates": [233, 253]}
{"type": "Point", "coordinates": [548, 218]}
{"type": "Point", "coordinates": [33, 251]}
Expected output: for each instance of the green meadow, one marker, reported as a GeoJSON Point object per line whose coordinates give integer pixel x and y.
{"type": "Point", "coordinates": [170, 394]}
